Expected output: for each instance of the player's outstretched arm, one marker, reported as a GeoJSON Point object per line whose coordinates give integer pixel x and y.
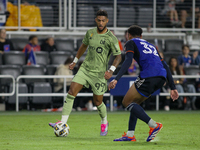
{"type": "Point", "coordinates": [109, 73]}
{"type": "Point", "coordinates": [126, 64]}
{"type": "Point", "coordinates": [174, 94]}
{"type": "Point", "coordinates": [80, 52]}
{"type": "Point", "coordinates": [169, 76]}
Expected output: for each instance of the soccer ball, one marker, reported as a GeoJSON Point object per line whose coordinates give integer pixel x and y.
{"type": "Point", "coordinates": [61, 129]}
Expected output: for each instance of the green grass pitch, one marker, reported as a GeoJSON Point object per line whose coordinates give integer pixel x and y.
{"type": "Point", "coordinates": [29, 130]}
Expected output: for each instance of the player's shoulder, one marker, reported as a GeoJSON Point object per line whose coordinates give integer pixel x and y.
{"type": "Point", "coordinates": [91, 31]}
{"type": "Point", "coordinates": [109, 33]}
{"type": "Point", "coordinates": [111, 36]}
{"type": "Point", "coordinates": [129, 46]}
{"type": "Point", "coordinates": [129, 43]}
{"type": "Point", "coordinates": [141, 41]}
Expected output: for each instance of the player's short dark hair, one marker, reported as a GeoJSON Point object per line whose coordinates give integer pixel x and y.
{"type": "Point", "coordinates": [185, 45]}
{"type": "Point", "coordinates": [135, 30]}
{"type": "Point", "coordinates": [102, 13]}
{"type": "Point", "coordinates": [31, 37]}
{"type": "Point", "coordinates": [68, 60]}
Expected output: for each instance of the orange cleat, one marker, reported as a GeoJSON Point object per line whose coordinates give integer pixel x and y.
{"type": "Point", "coordinates": [154, 131]}
{"type": "Point", "coordinates": [126, 138]}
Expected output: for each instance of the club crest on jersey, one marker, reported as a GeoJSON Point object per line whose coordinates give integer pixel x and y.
{"type": "Point", "coordinates": [99, 50]}
{"type": "Point", "coordinates": [91, 35]}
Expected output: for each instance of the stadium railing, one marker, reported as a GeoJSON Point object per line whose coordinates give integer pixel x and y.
{"type": "Point", "coordinates": [146, 12]}
{"type": "Point", "coordinates": [53, 16]}
{"type": "Point", "coordinates": [64, 94]}
{"type": "Point", "coordinates": [180, 94]}
{"type": "Point", "coordinates": [13, 83]}
{"type": "Point", "coordinates": [90, 94]}
{"type": "Point", "coordinates": [74, 15]}
{"type": "Point", "coordinates": [82, 33]}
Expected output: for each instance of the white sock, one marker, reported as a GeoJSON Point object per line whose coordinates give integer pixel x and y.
{"type": "Point", "coordinates": [64, 118]}
{"type": "Point", "coordinates": [104, 120]}
{"type": "Point", "coordinates": [130, 133]}
{"type": "Point", "coordinates": [152, 123]}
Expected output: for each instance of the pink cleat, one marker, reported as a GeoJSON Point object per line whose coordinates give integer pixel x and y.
{"type": "Point", "coordinates": [53, 124]}
{"type": "Point", "coordinates": [104, 129]}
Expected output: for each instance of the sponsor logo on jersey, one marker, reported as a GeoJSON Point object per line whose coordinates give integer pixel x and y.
{"type": "Point", "coordinates": [102, 41]}
{"type": "Point", "coordinates": [92, 47]}
{"type": "Point", "coordinates": [99, 50]}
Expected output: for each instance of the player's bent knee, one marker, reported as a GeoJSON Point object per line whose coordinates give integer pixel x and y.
{"type": "Point", "coordinates": [71, 92]}
{"type": "Point", "coordinates": [97, 102]}
{"type": "Point", "coordinates": [124, 103]}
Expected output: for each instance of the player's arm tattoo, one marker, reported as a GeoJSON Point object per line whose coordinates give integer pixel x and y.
{"type": "Point", "coordinates": [117, 60]}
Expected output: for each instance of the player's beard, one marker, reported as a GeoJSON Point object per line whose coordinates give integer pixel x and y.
{"type": "Point", "coordinates": [101, 30]}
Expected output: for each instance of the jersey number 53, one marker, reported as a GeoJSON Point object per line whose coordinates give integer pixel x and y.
{"type": "Point", "coordinates": [149, 49]}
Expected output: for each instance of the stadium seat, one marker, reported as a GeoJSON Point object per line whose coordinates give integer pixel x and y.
{"type": "Point", "coordinates": [152, 41]}
{"type": "Point", "coordinates": [22, 89]}
{"type": "Point", "coordinates": [145, 16]}
{"type": "Point", "coordinates": [59, 57]}
{"type": "Point", "coordinates": [51, 69]}
{"type": "Point", "coordinates": [41, 88]}
{"type": "Point", "coordinates": [85, 16]}
{"type": "Point", "coordinates": [47, 15]}
{"type": "Point", "coordinates": [110, 12]}
{"type": "Point", "coordinates": [168, 55]}
{"type": "Point", "coordinates": [41, 41]}
{"type": "Point", "coordinates": [42, 58]}
{"type": "Point", "coordinates": [173, 45]}
{"type": "Point", "coordinates": [13, 70]}
{"type": "Point", "coordinates": [65, 45]}
{"type": "Point", "coordinates": [78, 43]}
{"type": "Point", "coordinates": [126, 16]}
{"type": "Point", "coordinates": [192, 70]}
{"type": "Point", "coordinates": [19, 43]}
{"type": "Point", "coordinates": [14, 58]}
{"type": "Point", "coordinates": [33, 70]}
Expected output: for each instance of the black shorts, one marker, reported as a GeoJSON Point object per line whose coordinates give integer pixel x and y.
{"type": "Point", "coordinates": [148, 86]}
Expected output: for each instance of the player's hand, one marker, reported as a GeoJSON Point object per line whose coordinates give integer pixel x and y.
{"type": "Point", "coordinates": [108, 74]}
{"type": "Point", "coordinates": [72, 65]}
{"type": "Point", "coordinates": [112, 84]}
{"type": "Point", "coordinates": [174, 94]}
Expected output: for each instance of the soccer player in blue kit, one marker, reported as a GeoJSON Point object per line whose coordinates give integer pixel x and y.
{"type": "Point", "coordinates": [153, 74]}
